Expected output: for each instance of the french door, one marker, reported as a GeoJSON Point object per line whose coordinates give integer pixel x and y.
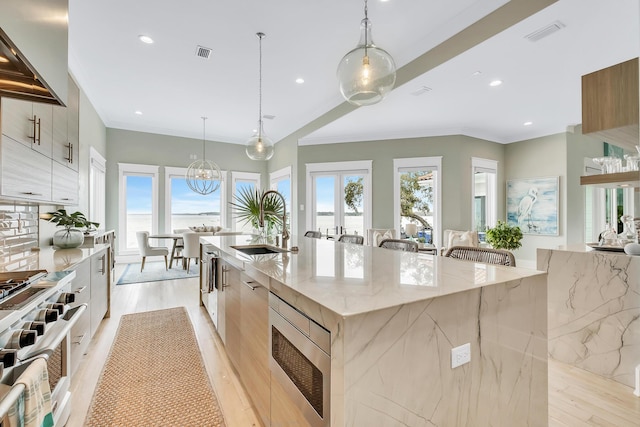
{"type": "Point", "coordinates": [339, 197]}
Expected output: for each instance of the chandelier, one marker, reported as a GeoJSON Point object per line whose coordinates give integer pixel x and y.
{"type": "Point", "coordinates": [203, 176]}
{"type": "Point", "coordinates": [259, 146]}
{"type": "Point", "coordinates": [367, 73]}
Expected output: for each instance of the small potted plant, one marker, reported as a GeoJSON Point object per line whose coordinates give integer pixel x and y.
{"type": "Point", "coordinates": [246, 207]}
{"type": "Point", "coordinates": [72, 235]}
{"type": "Point", "coordinates": [504, 236]}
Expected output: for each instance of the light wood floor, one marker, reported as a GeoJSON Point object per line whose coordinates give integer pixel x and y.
{"type": "Point", "coordinates": [576, 397]}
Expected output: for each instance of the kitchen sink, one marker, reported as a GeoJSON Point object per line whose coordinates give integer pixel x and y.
{"type": "Point", "coordinates": [259, 249]}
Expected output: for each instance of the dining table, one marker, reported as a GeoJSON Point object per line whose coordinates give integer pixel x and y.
{"type": "Point", "coordinates": [175, 249]}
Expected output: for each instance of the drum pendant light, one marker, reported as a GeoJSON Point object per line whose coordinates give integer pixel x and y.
{"type": "Point", "coordinates": [259, 146]}
{"type": "Point", "coordinates": [367, 73]}
{"type": "Point", "coordinates": [203, 176]}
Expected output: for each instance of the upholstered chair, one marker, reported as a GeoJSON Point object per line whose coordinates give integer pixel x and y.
{"type": "Point", "coordinates": [351, 238]}
{"type": "Point", "coordinates": [148, 250]}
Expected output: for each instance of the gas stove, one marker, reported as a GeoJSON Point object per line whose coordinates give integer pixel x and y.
{"type": "Point", "coordinates": [14, 282]}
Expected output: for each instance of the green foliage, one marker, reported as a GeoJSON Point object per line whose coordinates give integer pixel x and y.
{"type": "Point", "coordinates": [247, 208]}
{"type": "Point", "coordinates": [74, 220]}
{"type": "Point", "coordinates": [353, 194]}
{"type": "Point", "coordinates": [413, 196]}
{"type": "Point", "coordinates": [504, 236]}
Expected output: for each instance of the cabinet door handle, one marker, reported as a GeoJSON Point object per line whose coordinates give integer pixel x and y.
{"type": "Point", "coordinates": [102, 261]}
{"type": "Point", "coordinates": [79, 341]}
{"type": "Point", "coordinates": [35, 132]}
{"type": "Point", "coordinates": [31, 193]}
{"type": "Point", "coordinates": [69, 157]}
{"type": "Point", "coordinates": [250, 285]}
{"type": "Point", "coordinates": [80, 290]}
{"type": "Point", "coordinates": [39, 130]}
{"type": "Point", "coordinates": [224, 277]}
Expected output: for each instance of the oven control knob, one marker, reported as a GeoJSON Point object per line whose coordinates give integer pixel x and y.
{"type": "Point", "coordinates": [35, 326]}
{"type": "Point", "coordinates": [47, 315]}
{"type": "Point", "coordinates": [67, 298]}
{"type": "Point", "coordinates": [21, 338]}
{"type": "Point", "coordinates": [59, 307]}
{"type": "Point", "coordinates": [8, 357]}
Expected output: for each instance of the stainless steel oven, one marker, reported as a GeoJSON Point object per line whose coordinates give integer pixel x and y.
{"type": "Point", "coordinates": [300, 360]}
{"type": "Point", "coordinates": [35, 323]}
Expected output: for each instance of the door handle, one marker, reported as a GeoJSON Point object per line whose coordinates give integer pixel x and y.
{"type": "Point", "coordinates": [250, 285]}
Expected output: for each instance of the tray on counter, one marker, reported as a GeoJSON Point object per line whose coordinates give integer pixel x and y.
{"type": "Point", "coordinates": [611, 248]}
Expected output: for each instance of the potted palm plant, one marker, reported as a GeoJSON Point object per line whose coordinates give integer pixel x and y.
{"type": "Point", "coordinates": [72, 235]}
{"type": "Point", "coordinates": [504, 236]}
{"type": "Point", "coordinates": [246, 206]}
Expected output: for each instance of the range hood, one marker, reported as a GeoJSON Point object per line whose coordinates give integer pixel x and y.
{"type": "Point", "coordinates": [18, 78]}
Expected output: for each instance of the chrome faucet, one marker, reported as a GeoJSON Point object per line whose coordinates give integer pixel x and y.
{"type": "Point", "coordinates": [285, 232]}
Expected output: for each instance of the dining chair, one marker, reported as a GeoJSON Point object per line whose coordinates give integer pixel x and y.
{"type": "Point", "coordinates": [399, 245]}
{"type": "Point", "coordinates": [351, 238]}
{"type": "Point", "coordinates": [486, 255]}
{"type": "Point", "coordinates": [148, 250]}
{"type": "Point", "coordinates": [314, 234]}
{"type": "Point", "coordinates": [191, 248]}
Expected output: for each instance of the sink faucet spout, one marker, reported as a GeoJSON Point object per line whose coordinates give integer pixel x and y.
{"type": "Point", "coordinates": [285, 232]}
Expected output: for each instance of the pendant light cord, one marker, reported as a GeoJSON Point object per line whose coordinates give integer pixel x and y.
{"type": "Point", "coordinates": [260, 36]}
{"type": "Point", "coordinates": [203, 136]}
{"type": "Point", "coordinates": [366, 26]}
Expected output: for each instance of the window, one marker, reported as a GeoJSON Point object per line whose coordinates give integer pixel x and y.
{"type": "Point", "coordinates": [138, 203]}
{"type": "Point", "coordinates": [97, 187]}
{"type": "Point", "coordinates": [484, 206]}
{"type": "Point", "coordinates": [416, 195]}
{"type": "Point", "coordinates": [339, 197]}
{"type": "Point", "coordinates": [280, 181]}
{"type": "Point", "coordinates": [243, 180]}
{"type": "Point", "coordinates": [185, 208]}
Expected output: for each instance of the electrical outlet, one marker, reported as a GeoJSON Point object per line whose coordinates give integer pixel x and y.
{"type": "Point", "coordinates": [460, 355]}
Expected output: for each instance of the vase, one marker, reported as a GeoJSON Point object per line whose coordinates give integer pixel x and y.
{"type": "Point", "coordinates": [68, 238]}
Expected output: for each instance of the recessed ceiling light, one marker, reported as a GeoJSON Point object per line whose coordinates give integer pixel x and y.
{"type": "Point", "coordinates": [299, 80]}
{"type": "Point", "coordinates": [476, 73]}
{"type": "Point", "coordinates": [3, 59]}
{"type": "Point", "coordinates": [139, 113]}
{"type": "Point", "coordinates": [527, 123]}
{"type": "Point", "coordinates": [495, 83]}
{"type": "Point", "coordinates": [145, 39]}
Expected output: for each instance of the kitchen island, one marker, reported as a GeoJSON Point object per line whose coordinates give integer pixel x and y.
{"type": "Point", "coordinates": [594, 307]}
{"type": "Point", "coordinates": [394, 318]}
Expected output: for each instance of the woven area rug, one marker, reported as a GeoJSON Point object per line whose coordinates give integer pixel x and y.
{"type": "Point", "coordinates": [154, 376]}
{"type": "Point", "coordinates": [155, 271]}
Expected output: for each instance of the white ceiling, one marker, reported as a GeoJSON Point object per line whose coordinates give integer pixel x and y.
{"type": "Point", "coordinates": [173, 88]}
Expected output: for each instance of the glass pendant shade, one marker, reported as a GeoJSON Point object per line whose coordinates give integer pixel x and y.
{"type": "Point", "coordinates": [259, 146]}
{"type": "Point", "coordinates": [203, 176]}
{"type": "Point", "coordinates": [367, 73]}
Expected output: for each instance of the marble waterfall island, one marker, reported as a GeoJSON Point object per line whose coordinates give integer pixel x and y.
{"type": "Point", "coordinates": [394, 318]}
{"type": "Point", "coordinates": [594, 310]}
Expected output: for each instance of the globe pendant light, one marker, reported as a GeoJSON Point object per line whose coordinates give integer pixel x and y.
{"type": "Point", "coordinates": [259, 146]}
{"type": "Point", "coordinates": [203, 176]}
{"type": "Point", "coordinates": [367, 73]}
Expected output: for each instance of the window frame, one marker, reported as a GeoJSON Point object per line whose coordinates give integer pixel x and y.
{"type": "Point", "coordinates": [340, 168]}
{"type": "Point", "coordinates": [491, 203]}
{"type": "Point", "coordinates": [241, 176]}
{"type": "Point", "coordinates": [173, 172]}
{"type": "Point", "coordinates": [97, 190]}
{"type": "Point", "coordinates": [131, 169]}
{"type": "Point", "coordinates": [434, 162]}
{"type": "Point", "coordinates": [280, 175]}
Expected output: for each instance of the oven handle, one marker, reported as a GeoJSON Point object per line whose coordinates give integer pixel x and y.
{"type": "Point", "coordinates": [70, 318]}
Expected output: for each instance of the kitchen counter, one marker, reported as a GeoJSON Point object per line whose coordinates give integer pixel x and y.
{"type": "Point", "coordinates": [394, 318]}
{"type": "Point", "coordinates": [357, 279]}
{"type": "Point", "coordinates": [54, 259]}
{"type": "Point", "coordinates": [594, 309]}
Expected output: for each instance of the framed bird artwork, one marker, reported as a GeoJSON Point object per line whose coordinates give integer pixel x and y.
{"type": "Point", "coordinates": [532, 205]}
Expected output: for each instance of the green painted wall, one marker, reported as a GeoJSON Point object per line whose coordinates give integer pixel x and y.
{"type": "Point", "coordinates": [456, 152]}
{"type": "Point", "coordinates": [125, 146]}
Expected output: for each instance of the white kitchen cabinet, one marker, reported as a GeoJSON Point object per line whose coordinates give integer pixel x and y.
{"type": "Point", "coordinates": [64, 185]}
{"type": "Point", "coordinates": [24, 173]}
{"type": "Point", "coordinates": [99, 288]}
{"type": "Point", "coordinates": [66, 129]}
{"type": "Point", "coordinates": [29, 123]}
{"type": "Point", "coordinates": [81, 332]}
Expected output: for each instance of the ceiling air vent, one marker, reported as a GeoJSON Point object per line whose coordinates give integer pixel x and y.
{"type": "Point", "coordinates": [268, 116]}
{"type": "Point", "coordinates": [545, 31]}
{"type": "Point", "coordinates": [421, 90]}
{"type": "Point", "coordinates": [203, 52]}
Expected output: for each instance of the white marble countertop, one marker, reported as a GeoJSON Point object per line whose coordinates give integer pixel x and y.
{"type": "Point", "coordinates": [583, 248]}
{"type": "Point", "coordinates": [354, 279]}
{"type": "Point", "coordinates": [54, 259]}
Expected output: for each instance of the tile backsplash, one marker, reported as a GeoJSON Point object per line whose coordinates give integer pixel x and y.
{"type": "Point", "coordinates": [18, 235]}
